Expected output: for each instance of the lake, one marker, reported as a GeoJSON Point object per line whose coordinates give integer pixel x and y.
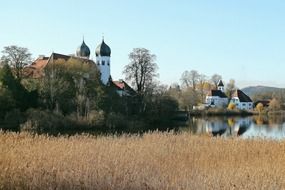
{"type": "Point", "coordinates": [265, 127]}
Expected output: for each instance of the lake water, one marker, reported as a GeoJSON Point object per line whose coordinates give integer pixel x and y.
{"type": "Point", "coordinates": [265, 127]}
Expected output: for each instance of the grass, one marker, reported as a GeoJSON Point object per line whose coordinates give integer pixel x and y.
{"type": "Point", "coordinates": [152, 161]}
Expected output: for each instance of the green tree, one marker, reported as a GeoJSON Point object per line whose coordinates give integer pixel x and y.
{"type": "Point", "coordinates": [10, 85]}
{"type": "Point", "coordinates": [17, 58]}
{"type": "Point", "coordinates": [160, 107]}
{"type": "Point", "coordinates": [72, 86]}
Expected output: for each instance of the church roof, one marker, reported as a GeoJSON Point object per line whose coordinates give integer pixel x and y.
{"type": "Point", "coordinates": [220, 83]}
{"type": "Point", "coordinates": [103, 49]}
{"type": "Point", "coordinates": [242, 96]}
{"type": "Point", "coordinates": [83, 50]}
{"type": "Point", "coordinates": [35, 70]}
{"type": "Point", "coordinates": [218, 93]}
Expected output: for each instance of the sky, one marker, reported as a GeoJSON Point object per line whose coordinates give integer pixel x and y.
{"type": "Point", "coordinates": [238, 39]}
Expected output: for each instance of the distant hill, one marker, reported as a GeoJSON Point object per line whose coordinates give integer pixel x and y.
{"type": "Point", "coordinates": [253, 90]}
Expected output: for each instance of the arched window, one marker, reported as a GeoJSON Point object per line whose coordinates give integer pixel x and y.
{"type": "Point", "coordinates": [103, 62]}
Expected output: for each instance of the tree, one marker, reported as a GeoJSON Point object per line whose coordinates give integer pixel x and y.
{"type": "Point", "coordinates": [259, 107]}
{"type": "Point", "coordinates": [274, 105]}
{"type": "Point", "coordinates": [231, 106]}
{"type": "Point", "coordinates": [202, 86]}
{"type": "Point", "coordinates": [72, 86]}
{"type": "Point", "coordinates": [141, 70]}
{"type": "Point", "coordinates": [188, 99]}
{"type": "Point", "coordinates": [230, 88]}
{"type": "Point", "coordinates": [17, 58]}
{"type": "Point", "coordinates": [190, 79]}
{"type": "Point", "coordinates": [215, 79]}
{"type": "Point", "coordinates": [9, 86]}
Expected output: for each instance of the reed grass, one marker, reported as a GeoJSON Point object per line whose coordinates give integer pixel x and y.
{"type": "Point", "coordinates": [151, 161]}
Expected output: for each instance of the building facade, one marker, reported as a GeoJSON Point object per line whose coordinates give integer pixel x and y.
{"type": "Point", "coordinates": [241, 100]}
{"type": "Point", "coordinates": [217, 98]}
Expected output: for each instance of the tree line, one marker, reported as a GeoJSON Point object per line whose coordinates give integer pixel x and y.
{"type": "Point", "coordinates": [71, 96]}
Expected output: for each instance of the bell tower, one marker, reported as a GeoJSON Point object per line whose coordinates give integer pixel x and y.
{"type": "Point", "coordinates": [103, 55]}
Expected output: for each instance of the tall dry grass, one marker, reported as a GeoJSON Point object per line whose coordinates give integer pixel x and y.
{"type": "Point", "coordinates": [152, 161]}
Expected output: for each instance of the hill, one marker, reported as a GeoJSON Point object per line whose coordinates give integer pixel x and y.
{"type": "Point", "coordinates": [254, 90]}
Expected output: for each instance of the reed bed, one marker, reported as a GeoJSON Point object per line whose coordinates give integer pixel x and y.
{"type": "Point", "coordinates": [151, 161]}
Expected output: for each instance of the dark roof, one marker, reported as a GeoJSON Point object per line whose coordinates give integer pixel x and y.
{"type": "Point", "coordinates": [217, 93]}
{"type": "Point", "coordinates": [83, 50]}
{"type": "Point", "coordinates": [220, 83]}
{"type": "Point", "coordinates": [242, 96]}
{"type": "Point", "coordinates": [103, 49]}
{"type": "Point", "coordinates": [55, 56]}
{"type": "Point", "coordinates": [265, 103]}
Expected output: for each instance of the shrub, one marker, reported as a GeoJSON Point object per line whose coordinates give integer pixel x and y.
{"type": "Point", "coordinates": [13, 119]}
{"type": "Point", "coordinates": [116, 121]}
{"type": "Point", "coordinates": [96, 118]}
{"type": "Point", "coordinates": [259, 107]}
{"type": "Point", "coordinates": [231, 106]}
{"type": "Point", "coordinates": [274, 105]}
{"type": "Point", "coordinates": [40, 121]}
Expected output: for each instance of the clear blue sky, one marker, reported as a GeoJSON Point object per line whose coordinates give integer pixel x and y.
{"type": "Point", "coordinates": [239, 39]}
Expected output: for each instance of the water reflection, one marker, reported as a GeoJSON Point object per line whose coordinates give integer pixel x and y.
{"type": "Point", "coordinates": [272, 127]}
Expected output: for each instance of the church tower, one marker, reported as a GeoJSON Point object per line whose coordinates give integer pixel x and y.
{"type": "Point", "coordinates": [103, 54]}
{"type": "Point", "coordinates": [83, 51]}
{"type": "Point", "coordinates": [221, 86]}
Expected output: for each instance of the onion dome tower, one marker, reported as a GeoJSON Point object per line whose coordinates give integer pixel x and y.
{"type": "Point", "coordinates": [83, 51]}
{"type": "Point", "coordinates": [103, 54]}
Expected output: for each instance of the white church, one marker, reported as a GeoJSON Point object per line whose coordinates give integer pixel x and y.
{"type": "Point", "coordinates": [103, 62]}
{"type": "Point", "coordinates": [218, 98]}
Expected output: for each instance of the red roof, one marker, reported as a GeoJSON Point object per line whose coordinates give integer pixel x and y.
{"type": "Point", "coordinates": [119, 84]}
{"type": "Point", "coordinates": [35, 70]}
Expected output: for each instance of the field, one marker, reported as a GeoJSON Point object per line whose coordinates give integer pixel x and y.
{"type": "Point", "coordinates": [152, 161]}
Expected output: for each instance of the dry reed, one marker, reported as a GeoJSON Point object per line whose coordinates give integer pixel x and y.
{"type": "Point", "coordinates": [152, 161]}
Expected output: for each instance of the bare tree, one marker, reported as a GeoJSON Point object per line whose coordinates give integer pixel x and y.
{"type": "Point", "coordinates": [274, 105]}
{"type": "Point", "coordinates": [141, 70]}
{"type": "Point", "coordinates": [17, 58]}
{"type": "Point", "coordinates": [215, 79]}
{"type": "Point", "coordinates": [231, 87]}
{"type": "Point", "coordinates": [202, 82]}
{"type": "Point", "coordinates": [190, 79]}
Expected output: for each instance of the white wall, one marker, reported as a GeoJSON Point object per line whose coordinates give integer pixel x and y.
{"type": "Point", "coordinates": [242, 105]}
{"type": "Point", "coordinates": [104, 68]}
{"type": "Point", "coordinates": [218, 102]}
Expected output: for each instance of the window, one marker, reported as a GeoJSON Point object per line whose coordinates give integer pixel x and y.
{"type": "Point", "coordinates": [98, 62]}
{"type": "Point", "coordinates": [243, 104]}
{"type": "Point", "coordinates": [103, 62]}
{"type": "Point", "coordinates": [108, 63]}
